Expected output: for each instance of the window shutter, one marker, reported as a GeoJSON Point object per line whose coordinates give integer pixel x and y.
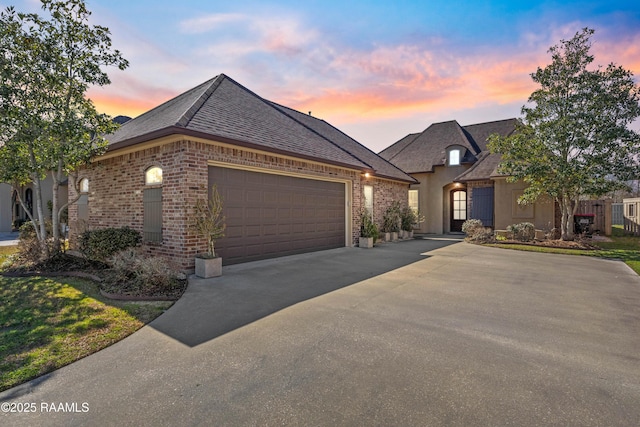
{"type": "Point", "coordinates": [83, 207]}
{"type": "Point", "coordinates": [152, 227]}
{"type": "Point", "coordinates": [482, 205]}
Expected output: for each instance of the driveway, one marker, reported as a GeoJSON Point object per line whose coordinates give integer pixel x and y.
{"type": "Point", "coordinates": [426, 332]}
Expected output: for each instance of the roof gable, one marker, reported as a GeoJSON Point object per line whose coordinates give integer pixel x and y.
{"type": "Point", "coordinates": [429, 148]}
{"type": "Point", "coordinates": [417, 153]}
{"type": "Point", "coordinates": [223, 109]}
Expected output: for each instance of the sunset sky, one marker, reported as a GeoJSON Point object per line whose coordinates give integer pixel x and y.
{"type": "Point", "coordinates": [377, 70]}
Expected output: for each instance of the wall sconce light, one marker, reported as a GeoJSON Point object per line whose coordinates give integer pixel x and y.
{"type": "Point", "coordinates": [367, 175]}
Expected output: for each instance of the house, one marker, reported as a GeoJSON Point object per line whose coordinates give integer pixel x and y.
{"type": "Point", "coordinates": [458, 178]}
{"type": "Point", "coordinates": [12, 213]}
{"type": "Point", "coordinates": [291, 183]}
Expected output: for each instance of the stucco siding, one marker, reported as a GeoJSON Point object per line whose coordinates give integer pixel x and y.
{"type": "Point", "coordinates": [508, 211]}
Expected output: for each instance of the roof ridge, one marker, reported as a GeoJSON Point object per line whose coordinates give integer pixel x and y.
{"type": "Point", "coordinates": [492, 121]}
{"type": "Point", "coordinates": [274, 104]}
{"type": "Point", "coordinates": [187, 116]}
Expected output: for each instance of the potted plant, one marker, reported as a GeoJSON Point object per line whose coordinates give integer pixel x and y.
{"type": "Point", "coordinates": [408, 217]}
{"type": "Point", "coordinates": [391, 220]}
{"type": "Point", "coordinates": [209, 222]}
{"type": "Point", "coordinates": [368, 230]}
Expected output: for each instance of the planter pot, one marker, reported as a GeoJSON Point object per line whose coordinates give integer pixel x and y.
{"type": "Point", "coordinates": [410, 234]}
{"type": "Point", "coordinates": [394, 236]}
{"type": "Point", "coordinates": [208, 267]}
{"type": "Point", "coordinates": [365, 242]}
{"type": "Point", "coordinates": [403, 234]}
{"type": "Point", "coordinates": [387, 237]}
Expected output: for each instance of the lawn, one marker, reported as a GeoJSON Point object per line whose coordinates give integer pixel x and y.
{"type": "Point", "coordinates": [47, 323]}
{"type": "Point", "coordinates": [625, 248]}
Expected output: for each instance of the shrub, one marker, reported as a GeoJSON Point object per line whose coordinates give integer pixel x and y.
{"type": "Point", "coordinates": [476, 231]}
{"type": "Point", "coordinates": [391, 219]}
{"type": "Point", "coordinates": [407, 218]}
{"type": "Point", "coordinates": [471, 226]}
{"type": "Point", "coordinates": [29, 247]}
{"type": "Point", "coordinates": [367, 227]}
{"type": "Point", "coordinates": [132, 273]}
{"type": "Point", "coordinates": [101, 244]}
{"type": "Point", "coordinates": [524, 231]}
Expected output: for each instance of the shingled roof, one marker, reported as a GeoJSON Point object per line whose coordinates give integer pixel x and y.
{"type": "Point", "coordinates": [223, 110]}
{"type": "Point", "coordinates": [418, 153]}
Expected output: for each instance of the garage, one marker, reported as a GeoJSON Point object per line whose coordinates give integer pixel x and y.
{"type": "Point", "coordinates": [270, 215]}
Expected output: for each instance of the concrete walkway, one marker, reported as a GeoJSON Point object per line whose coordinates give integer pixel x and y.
{"type": "Point", "coordinates": [425, 332]}
{"type": "Point", "coordinates": [8, 238]}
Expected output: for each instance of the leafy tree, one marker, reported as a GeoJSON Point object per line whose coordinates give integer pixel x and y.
{"type": "Point", "coordinates": [47, 124]}
{"type": "Point", "coordinates": [574, 139]}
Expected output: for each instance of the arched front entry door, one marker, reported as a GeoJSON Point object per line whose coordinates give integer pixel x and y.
{"type": "Point", "coordinates": [458, 209]}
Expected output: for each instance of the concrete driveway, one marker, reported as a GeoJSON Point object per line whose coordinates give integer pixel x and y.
{"type": "Point", "coordinates": [426, 332]}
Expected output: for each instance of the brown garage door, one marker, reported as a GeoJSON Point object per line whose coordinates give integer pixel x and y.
{"type": "Point", "coordinates": [272, 215]}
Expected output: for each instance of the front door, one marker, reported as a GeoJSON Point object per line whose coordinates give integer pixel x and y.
{"type": "Point", "coordinates": [458, 209]}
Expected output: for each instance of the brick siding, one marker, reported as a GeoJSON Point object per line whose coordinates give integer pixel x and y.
{"type": "Point", "coordinates": [116, 187]}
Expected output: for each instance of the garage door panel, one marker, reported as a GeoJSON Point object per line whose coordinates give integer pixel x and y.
{"type": "Point", "coordinates": [274, 215]}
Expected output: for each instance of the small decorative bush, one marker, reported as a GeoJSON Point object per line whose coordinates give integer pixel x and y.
{"type": "Point", "coordinates": [407, 218]}
{"type": "Point", "coordinates": [391, 219]}
{"type": "Point", "coordinates": [29, 247]}
{"type": "Point", "coordinates": [471, 226]}
{"type": "Point", "coordinates": [132, 273]}
{"type": "Point", "coordinates": [208, 220]}
{"type": "Point", "coordinates": [368, 228]}
{"type": "Point", "coordinates": [476, 231]}
{"type": "Point", "coordinates": [101, 244]}
{"type": "Point", "coordinates": [524, 231]}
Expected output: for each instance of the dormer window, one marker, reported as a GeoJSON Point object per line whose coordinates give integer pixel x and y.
{"type": "Point", "coordinates": [454, 157]}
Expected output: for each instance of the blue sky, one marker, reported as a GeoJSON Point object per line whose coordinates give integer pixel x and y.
{"type": "Point", "coordinates": [377, 70]}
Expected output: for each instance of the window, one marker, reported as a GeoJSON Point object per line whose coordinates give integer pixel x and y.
{"type": "Point", "coordinates": [454, 157]}
{"type": "Point", "coordinates": [84, 185]}
{"type": "Point", "coordinates": [413, 200]}
{"type": "Point", "coordinates": [368, 198]}
{"type": "Point", "coordinates": [152, 203]}
{"type": "Point", "coordinates": [153, 175]}
{"type": "Point", "coordinates": [28, 200]}
{"type": "Point", "coordinates": [460, 205]}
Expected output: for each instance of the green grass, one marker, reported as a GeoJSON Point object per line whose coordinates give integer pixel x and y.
{"type": "Point", "coordinates": [48, 323]}
{"type": "Point", "coordinates": [6, 251]}
{"type": "Point", "coordinates": [625, 248]}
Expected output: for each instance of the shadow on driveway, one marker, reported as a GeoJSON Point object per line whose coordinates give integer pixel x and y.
{"type": "Point", "coordinates": [248, 292]}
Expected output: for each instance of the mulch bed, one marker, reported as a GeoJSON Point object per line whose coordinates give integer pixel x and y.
{"type": "Point", "coordinates": [67, 265]}
{"type": "Point", "coordinates": [562, 244]}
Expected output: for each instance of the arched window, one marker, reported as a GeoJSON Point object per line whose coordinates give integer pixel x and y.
{"type": "Point", "coordinates": [153, 176]}
{"type": "Point", "coordinates": [84, 185]}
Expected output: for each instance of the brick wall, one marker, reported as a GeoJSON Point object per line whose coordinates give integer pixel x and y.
{"type": "Point", "coordinates": [116, 186]}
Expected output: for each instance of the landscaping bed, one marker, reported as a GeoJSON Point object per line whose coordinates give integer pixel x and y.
{"type": "Point", "coordinates": [48, 322]}
{"type": "Point", "coordinates": [582, 244]}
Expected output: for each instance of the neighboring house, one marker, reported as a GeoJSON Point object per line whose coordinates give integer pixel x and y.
{"type": "Point", "coordinates": [291, 183]}
{"type": "Point", "coordinates": [12, 213]}
{"type": "Point", "coordinates": [458, 178]}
